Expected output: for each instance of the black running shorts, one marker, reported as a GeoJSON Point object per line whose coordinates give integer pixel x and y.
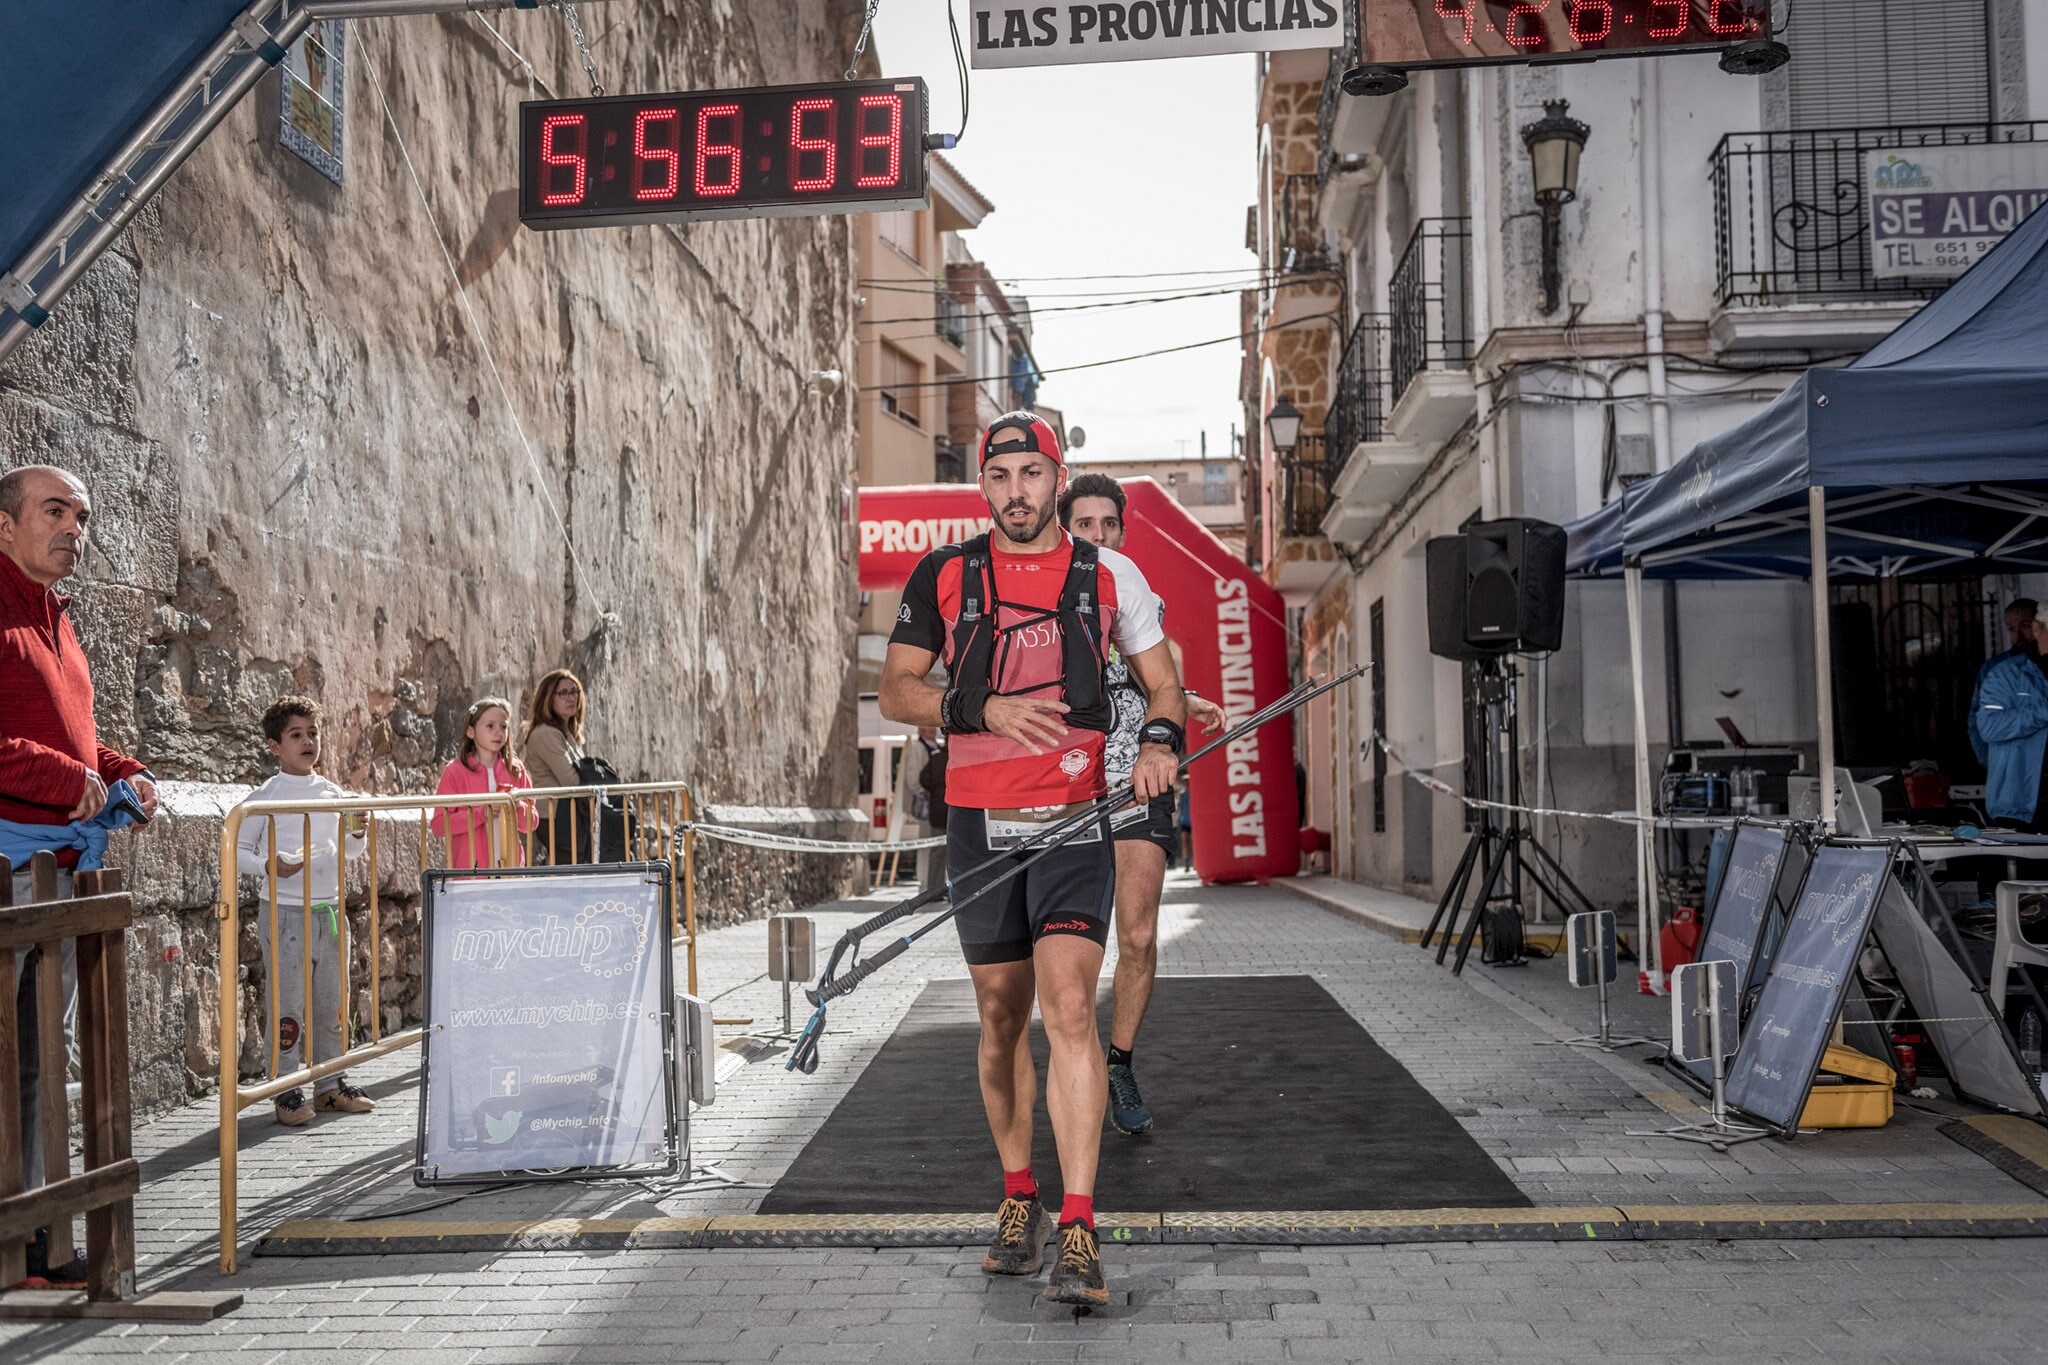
{"type": "Point", "coordinates": [1156, 826]}
{"type": "Point", "coordinates": [1068, 891]}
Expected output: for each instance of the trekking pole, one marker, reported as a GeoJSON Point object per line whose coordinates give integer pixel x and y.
{"type": "Point", "coordinates": [803, 1055]}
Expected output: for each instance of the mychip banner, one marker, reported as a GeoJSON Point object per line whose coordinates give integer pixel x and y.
{"type": "Point", "coordinates": [548, 1025]}
{"type": "Point", "coordinates": [1934, 211]}
{"type": "Point", "coordinates": [1026, 34]}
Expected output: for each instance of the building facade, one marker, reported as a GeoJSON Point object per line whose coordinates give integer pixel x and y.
{"type": "Point", "coordinates": [1718, 244]}
{"type": "Point", "coordinates": [371, 440]}
{"type": "Point", "coordinates": [1211, 489]}
{"type": "Point", "coordinates": [943, 351]}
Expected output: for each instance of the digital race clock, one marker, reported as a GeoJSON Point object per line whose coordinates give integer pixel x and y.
{"type": "Point", "coordinates": [1405, 34]}
{"type": "Point", "coordinates": [764, 152]}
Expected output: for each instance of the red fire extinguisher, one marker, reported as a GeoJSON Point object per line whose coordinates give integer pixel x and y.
{"type": "Point", "coordinates": [1679, 942]}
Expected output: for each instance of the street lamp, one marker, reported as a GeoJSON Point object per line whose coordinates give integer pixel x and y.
{"type": "Point", "coordinates": [1554, 142]}
{"type": "Point", "coordinates": [1284, 422]}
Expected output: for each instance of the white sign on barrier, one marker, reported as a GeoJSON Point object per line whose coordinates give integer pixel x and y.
{"type": "Point", "coordinates": [548, 1024]}
{"type": "Point", "coordinates": [1692, 1025]}
{"type": "Point", "coordinates": [1020, 33]}
{"type": "Point", "coordinates": [1590, 954]}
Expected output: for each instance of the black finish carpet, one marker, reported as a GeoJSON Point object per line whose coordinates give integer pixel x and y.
{"type": "Point", "coordinates": [1265, 1095]}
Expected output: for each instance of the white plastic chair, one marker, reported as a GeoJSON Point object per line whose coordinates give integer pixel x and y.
{"type": "Point", "coordinates": [2011, 948]}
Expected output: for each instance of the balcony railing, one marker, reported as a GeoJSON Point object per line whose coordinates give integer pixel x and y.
{"type": "Point", "coordinates": [949, 461]}
{"type": "Point", "coordinates": [951, 318]}
{"type": "Point", "coordinates": [1304, 488]}
{"type": "Point", "coordinates": [1297, 237]}
{"type": "Point", "coordinates": [1791, 222]}
{"type": "Point", "coordinates": [1358, 413]}
{"type": "Point", "coordinates": [1431, 300]}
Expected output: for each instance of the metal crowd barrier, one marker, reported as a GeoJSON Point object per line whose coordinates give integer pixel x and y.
{"type": "Point", "coordinates": [657, 818]}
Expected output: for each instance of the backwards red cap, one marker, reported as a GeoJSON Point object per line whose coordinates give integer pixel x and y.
{"type": "Point", "coordinates": [1017, 432]}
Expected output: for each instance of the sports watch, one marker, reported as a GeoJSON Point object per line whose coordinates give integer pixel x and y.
{"type": "Point", "coordinates": [1165, 732]}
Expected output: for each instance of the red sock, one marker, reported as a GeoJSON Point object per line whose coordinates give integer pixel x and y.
{"type": "Point", "coordinates": [1019, 1185]}
{"type": "Point", "coordinates": [1078, 1208]}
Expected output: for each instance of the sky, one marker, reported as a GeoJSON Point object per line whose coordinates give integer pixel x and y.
{"type": "Point", "coordinates": [1107, 168]}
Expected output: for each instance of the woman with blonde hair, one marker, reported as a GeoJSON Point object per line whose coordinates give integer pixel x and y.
{"type": "Point", "coordinates": [553, 738]}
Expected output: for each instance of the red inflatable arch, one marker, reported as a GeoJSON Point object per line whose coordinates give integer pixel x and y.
{"type": "Point", "coordinates": [1231, 628]}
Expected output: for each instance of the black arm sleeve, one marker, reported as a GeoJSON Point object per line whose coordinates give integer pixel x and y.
{"type": "Point", "coordinates": [918, 621]}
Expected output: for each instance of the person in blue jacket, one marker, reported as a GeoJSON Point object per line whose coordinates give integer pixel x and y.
{"type": "Point", "coordinates": [2019, 627]}
{"type": "Point", "coordinates": [2011, 717]}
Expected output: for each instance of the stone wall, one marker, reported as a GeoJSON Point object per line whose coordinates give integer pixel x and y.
{"type": "Point", "coordinates": [326, 457]}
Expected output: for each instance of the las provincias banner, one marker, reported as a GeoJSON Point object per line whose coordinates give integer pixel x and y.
{"type": "Point", "coordinates": [1015, 33]}
{"type": "Point", "coordinates": [1230, 626]}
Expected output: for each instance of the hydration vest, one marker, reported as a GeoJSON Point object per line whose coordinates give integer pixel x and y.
{"type": "Point", "coordinates": [977, 637]}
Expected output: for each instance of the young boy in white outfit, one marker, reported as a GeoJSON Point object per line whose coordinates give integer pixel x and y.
{"type": "Point", "coordinates": [291, 730]}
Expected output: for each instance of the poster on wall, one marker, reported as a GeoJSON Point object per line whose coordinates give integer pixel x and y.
{"type": "Point", "coordinates": [314, 83]}
{"type": "Point", "coordinates": [549, 1025]}
{"type": "Point", "coordinates": [1935, 211]}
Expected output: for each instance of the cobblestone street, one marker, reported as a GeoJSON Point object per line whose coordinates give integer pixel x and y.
{"type": "Point", "coordinates": [1554, 1118]}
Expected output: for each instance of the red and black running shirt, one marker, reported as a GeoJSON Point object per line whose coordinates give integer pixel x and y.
{"type": "Point", "coordinates": [989, 772]}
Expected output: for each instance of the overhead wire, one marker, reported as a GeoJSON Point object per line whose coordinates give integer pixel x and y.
{"type": "Point", "coordinates": [1098, 364]}
{"type": "Point", "coordinates": [1070, 307]}
{"type": "Point", "coordinates": [476, 328]}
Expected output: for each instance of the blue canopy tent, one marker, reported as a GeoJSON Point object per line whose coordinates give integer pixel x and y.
{"type": "Point", "coordinates": [1928, 454]}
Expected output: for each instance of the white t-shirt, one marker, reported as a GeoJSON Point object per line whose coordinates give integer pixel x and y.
{"type": "Point", "coordinates": [252, 844]}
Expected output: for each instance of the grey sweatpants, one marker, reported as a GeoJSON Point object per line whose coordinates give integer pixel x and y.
{"type": "Point", "coordinates": [29, 1055]}
{"type": "Point", "coordinates": [288, 978]}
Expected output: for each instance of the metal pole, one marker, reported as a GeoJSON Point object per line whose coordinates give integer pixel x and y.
{"type": "Point", "coordinates": [1714, 1046]}
{"type": "Point", "coordinates": [1632, 577]}
{"type": "Point", "coordinates": [1823, 662]}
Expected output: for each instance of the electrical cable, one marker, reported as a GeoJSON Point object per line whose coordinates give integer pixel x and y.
{"type": "Point", "coordinates": [1070, 307]}
{"type": "Point", "coordinates": [1251, 282]}
{"type": "Point", "coordinates": [482, 339]}
{"type": "Point", "coordinates": [960, 64]}
{"type": "Point", "coordinates": [1098, 364]}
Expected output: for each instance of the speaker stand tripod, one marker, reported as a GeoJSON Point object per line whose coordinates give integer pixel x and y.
{"type": "Point", "coordinates": [1497, 845]}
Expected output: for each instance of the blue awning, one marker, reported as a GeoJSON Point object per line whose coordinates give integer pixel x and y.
{"type": "Point", "coordinates": [76, 77]}
{"type": "Point", "coordinates": [1933, 447]}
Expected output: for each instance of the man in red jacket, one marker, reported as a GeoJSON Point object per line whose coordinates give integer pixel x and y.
{"type": "Point", "coordinates": [53, 769]}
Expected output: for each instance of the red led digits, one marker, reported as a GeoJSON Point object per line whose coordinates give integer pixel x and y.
{"type": "Point", "coordinates": [555, 159]}
{"type": "Point", "coordinates": [709, 151]}
{"type": "Point", "coordinates": [665, 160]}
{"type": "Point", "coordinates": [1527, 9]}
{"type": "Point", "coordinates": [1677, 13]}
{"type": "Point", "coordinates": [825, 147]}
{"type": "Point", "coordinates": [891, 141]}
{"type": "Point", "coordinates": [1457, 9]}
{"type": "Point", "coordinates": [1587, 13]}
{"type": "Point", "coordinates": [1729, 28]}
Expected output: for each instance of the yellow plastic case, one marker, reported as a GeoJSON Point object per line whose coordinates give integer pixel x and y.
{"type": "Point", "coordinates": [1862, 1101]}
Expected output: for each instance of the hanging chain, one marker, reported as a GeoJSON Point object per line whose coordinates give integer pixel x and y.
{"type": "Point", "coordinates": [582, 48]}
{"type": "Point", "coordinates": [860, 44]}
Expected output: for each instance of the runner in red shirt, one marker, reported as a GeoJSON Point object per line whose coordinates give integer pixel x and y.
{"type": "Point", "coordinates": [1024, 619]}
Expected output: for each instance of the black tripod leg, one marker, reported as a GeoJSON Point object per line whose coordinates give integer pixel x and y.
{"type": "Point", "coordinates": [1454, 893]}
{"type": "Point", "coordinates": [1481, 848]}
{"type": "Point", "coordinates": [1494, 869]}
{"type": "Point", "coordinates": [1564, 879]}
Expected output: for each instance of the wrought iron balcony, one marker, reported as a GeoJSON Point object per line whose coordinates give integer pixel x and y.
{"type": "Point", "coordinates": [1298, 245]}
{"type": "Point", "coordinates": [1358, 412]}
{"type": "Point", "coordinates": [1791, 222]}
{"type": "Point", "coordinates": [1431, 301]}
{"type": "Point", "coordinates": [1302, 489]}
{"type": "Point", "coordinates": [951, 318]}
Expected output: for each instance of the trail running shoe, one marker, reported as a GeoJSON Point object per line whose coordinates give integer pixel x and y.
{"type": "Point", "coordinates": [1077, 1275]}
{"type": "Point", "coordinates": [343, 1099]}
{"type": "Point", "coordinates": [1019, 1246]}
{"type": "Point", "coordinates": [1126, 1109]}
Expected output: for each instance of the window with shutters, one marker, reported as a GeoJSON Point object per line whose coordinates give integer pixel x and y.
{"type": "Point", "coordinates": [898, 381]}
{"type": "Point", "coordinates": [1860, 63]}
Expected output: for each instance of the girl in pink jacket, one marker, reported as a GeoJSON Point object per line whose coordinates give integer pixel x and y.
{"type": "Point", "coordinates": [486, 763]}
